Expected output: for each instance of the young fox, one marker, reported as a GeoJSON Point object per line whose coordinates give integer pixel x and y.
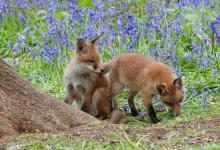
{"type": "Point", "coordinates": [142, 74]}
{"type": "Point", "coordinates": [85, 82]}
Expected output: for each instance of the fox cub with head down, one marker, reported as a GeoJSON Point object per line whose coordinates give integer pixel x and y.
{"type": "Point", "coordinates": [149, 77]}
{"type": "Point", "coordinates": [86, 83]}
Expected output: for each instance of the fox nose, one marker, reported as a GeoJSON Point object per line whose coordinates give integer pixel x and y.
{"type": "Point", "coordinates": [175, 114]}
{"type": "Point", "coordinates": [102, 69]}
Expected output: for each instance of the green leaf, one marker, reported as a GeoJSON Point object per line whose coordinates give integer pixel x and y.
{"type": "Point", "coordinates": [85, 4]}
{"type": "Point", "coordinates": [141, 2]}
{"type": "Point", "coordinates": [42, 12]}
{"type": "Point", "coordinates": [61, 14]}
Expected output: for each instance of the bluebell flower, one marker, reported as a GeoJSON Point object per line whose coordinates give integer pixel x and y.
{"type": "Point", "coordinates": [27, 49]}
{"type": "Point", "coordinates": [204, 62]}
{"type": "Point", "coordinates": [214, 72]}
{"type": "Point", "coordinates": [72, 9]}
{"type": "Point", "coordinates": [215, 28]}
{"type": "Point", "coordinates": [19, 3]}
{"type": "Point", "coordinates": [188, 56]}
{"type": "Point", "coordinates": [205, 94]}
{"type": "Point", "coordinates": [196, 49]}
{"type": "Point", "coordinates": [62, 58]}
{"type": "Point", "coordinates": [14, 63]}
{"type": "Point", "coordinates": [9, 45]}
{"type": "Point", "coordinates": [37, 3]}
{"type": "Point", "coordinates": [194, 92]}
{"type": "Point", "coordinates": [22, 40]}
{"type": "Point", "coordinates": [126, 108]}
{"type": "Point", "coordinates": [177, 25]}
{"type": "Point", "coordinates": [89, 32]}
{"type": "Point", "coordinates": [119, 22]}
{"type": "Point", "coordinates": [16, 48]}
{"type": "Point", "coordinates": [203, 105]}
{"type": "Point", "coordinates": [21, 17]}
{"type": "Point", "coordinates": [70, 46]}
{"type": "Point", "coordinates": [217, 38]}
{"type": "Point", "coordinates": [29, 78]}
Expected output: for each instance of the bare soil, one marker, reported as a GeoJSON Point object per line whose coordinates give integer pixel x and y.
{"type": "Point", "coordinates": [194, 132]}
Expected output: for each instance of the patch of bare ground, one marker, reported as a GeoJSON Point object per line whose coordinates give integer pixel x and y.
{"type": "Point", "coordinates": [153, 134]}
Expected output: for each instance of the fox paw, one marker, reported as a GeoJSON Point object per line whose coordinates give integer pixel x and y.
{"type": "Point", "coordinates": [140, 116]}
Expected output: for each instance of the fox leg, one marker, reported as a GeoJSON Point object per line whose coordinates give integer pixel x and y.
{"type": "Point", "coordinates": [87, 100]}
{"type": "Point", "coordinates": [131, 95]}
{"type": "Point", "coordinates": [114, 89]}
{"type": "Point", "coordinates": [69, 96]}
{"type": "Point", "coordinates": [86, 103]}
{"type": "Point", "coordinates": [113, 103]}
{"type": "Point", "coordinates": [116, 116]}
{"type": "Point", "coordinates": [150, 109]}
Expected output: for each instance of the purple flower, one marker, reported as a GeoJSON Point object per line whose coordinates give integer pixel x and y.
{"type": "Point", "coordinates": [89, 32]}
{"type": "Point", "coordinates": [217, 39]}
{"type": "Point", "coordinates": [194, 92]}
{"type": "Point", "coordinates": [62, 58]}
{"type": "Point", "coordinates": [177, 26]}
{"type": "Point", "coordinates": [212, 26]}
{"type": "Point", "coordinates": [204, 62]}
{"type": "Point", "coordinates": [119, 22]}
{"type": "Point", "coordinates": [203, 105]}
{"type": "Point", "coordinates": [196, 49]}
{"type": "Point", "coordinates": [14, 63]}
{"type": "Point", "coordinates": [188, 56]}
{"type": "Point", "coordinates": [214, 72]}
{"type": "Point", "coordinates": [9, 45]}
{"type": "Point", "coordinates": [126, 108]}
{"type": "Point", "coordinates": [21, 17]}
{"type": "Point", "coordinates": [215, 28]}
{"type": "Point", "coordinates": [16, 48]}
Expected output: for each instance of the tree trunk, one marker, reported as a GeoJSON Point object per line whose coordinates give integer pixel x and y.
{"type": "Point", "coordinates": [23, 108]}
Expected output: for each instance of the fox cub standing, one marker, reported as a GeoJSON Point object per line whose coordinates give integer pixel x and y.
{"type": "Point", "coordinates": [85, 82]}
{"type": "Point", "coordinates": [142, 74]}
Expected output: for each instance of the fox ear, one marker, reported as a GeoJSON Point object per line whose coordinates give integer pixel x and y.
{"type": "Point", "coordinates": [177, 83]}
{"type": "Point", "coordinates": [96, 40]}
{"type": "Point", "coordinates": [162, 89]}
{"type": "Point", "coordinates": [80, 45]}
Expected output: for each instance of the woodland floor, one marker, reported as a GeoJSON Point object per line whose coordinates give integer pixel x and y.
{"type": "Point", "coordinates": [199, 132]}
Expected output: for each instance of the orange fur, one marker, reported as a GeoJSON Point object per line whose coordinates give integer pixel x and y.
{"type": "Point", "coordinates": [148, 77]}
{"type": "Point", "coordinates": [86, 82]}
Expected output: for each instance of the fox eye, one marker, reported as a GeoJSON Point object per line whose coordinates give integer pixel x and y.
{"type": "Point", "coordinates": [168, 103]}
{"type": "Point", "coordinates": [180, 100]}
{"type": "Point", "coordinates": [91, 61]}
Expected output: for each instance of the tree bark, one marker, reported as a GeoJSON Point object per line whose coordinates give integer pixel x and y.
{"type": "Point", "coordinates": [23, 108]}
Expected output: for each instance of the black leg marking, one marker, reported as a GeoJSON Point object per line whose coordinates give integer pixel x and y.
{"type": "Point", "coordinates": [131, 104]}
{"type": "Point", "coordinates": [152, 114]}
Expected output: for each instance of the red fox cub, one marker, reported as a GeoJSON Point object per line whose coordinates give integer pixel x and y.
{"type": "Point", "coordinates": [85, 82]}
{"type": "Point", "coordinates": [142, 74]}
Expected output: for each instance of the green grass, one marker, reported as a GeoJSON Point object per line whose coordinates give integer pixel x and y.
{"type": "Point", "coordinates": [114, 140]}
{"type": "Point", "coordinates": [53, 85]}
{"type": "Point", "coordinates": [47, 76]}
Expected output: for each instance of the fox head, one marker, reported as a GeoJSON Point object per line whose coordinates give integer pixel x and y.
{"type": "Point", "coordinates": [87, 55]}
{"type": "Point", "coordinates": [172, 95]}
